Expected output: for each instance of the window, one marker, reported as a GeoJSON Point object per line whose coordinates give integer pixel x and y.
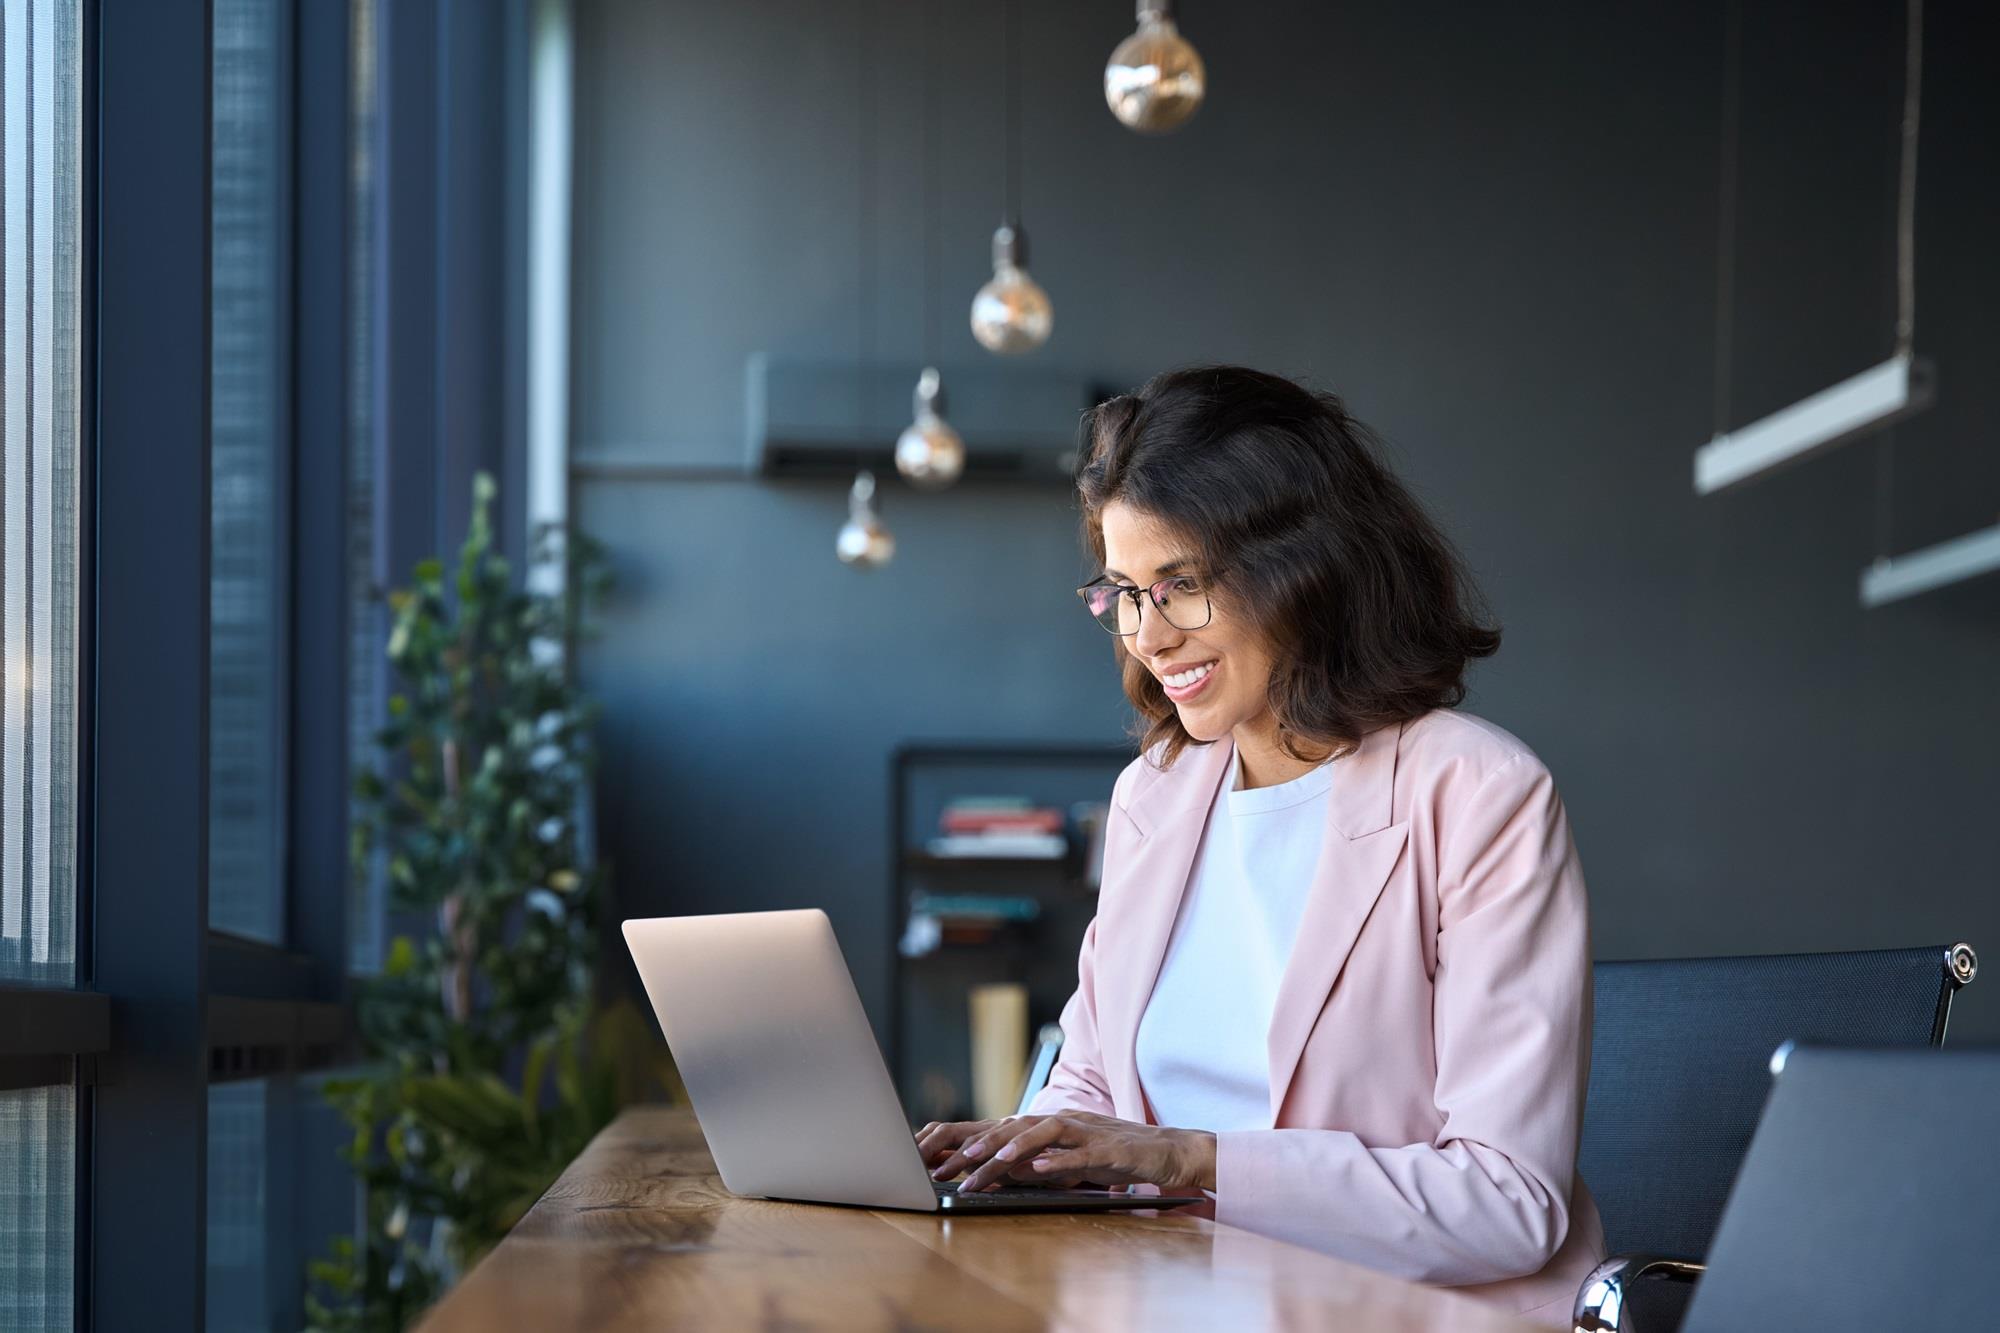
{"type": "Point", "coordinates": [236, 1298]}
{"type": "Point", "coordinates": [230, 174]}
{"type": "Point", "coordinates": [40, 152]}
{"type": "Point", "coordinates": [367, 623]}
{"type": "Point", "coordinates": [37, 1207]}
{"type": "Point", "coordinates": [38, 492]}
{"type": "Point", "coordinates": [249, 559]}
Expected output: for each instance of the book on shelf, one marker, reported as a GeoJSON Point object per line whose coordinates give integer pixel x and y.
{"type": "Point", "coordinates": [1022, 846]}
{"type": "Point", "coordinates": [962, 919]}
{"type": "Point", "coordinates": [955, 820]}
{"type": "Point", "coordinates": [991, 906]}
{"type": "Point", "coordinates": [1003, 826]}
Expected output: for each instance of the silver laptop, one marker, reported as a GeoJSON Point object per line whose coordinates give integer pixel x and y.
{"type": "Point", "coordinates": [785, 1076]}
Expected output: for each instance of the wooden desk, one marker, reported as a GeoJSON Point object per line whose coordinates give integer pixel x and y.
{"type": "Point", "coordinates": [639, 1233]}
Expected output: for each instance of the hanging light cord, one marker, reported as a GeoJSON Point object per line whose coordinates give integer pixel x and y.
{"type": "Point", "coordinates": [1013, 72]}
{"type": "Point", "coordinates": [1906, 266]}
{"type": "Point", "coordinates": [1725, 213]}
{"type": "Point", "coordinates": [930, 186]}
{"type": "Point", "coordinates": [1906, 188]}
{"type": "Point", "coordinates": [864, 241]}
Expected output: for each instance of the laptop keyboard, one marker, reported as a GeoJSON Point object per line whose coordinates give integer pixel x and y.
{"type": "Point", "coordinates": [944, 1187]}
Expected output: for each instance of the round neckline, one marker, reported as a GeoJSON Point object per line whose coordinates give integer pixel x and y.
{"type": "Point", "coordinates": [1310, 785]}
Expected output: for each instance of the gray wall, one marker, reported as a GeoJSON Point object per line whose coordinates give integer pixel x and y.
{"type": "Point", "coordinates": [1492, 228]}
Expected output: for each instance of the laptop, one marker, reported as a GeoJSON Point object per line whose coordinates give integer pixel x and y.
{"type": "Point", "coordinates": [786, 1079]}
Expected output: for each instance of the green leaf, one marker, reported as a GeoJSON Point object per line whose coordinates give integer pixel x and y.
{"type": "Point", "coordinates": [402, 957]}
{"type": "Point", "coordinates": [456, 805]}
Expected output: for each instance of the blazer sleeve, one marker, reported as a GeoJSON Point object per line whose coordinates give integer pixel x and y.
{"type": "Point", "coordinates": [1077, 1081]}
{"type": "Point", "coordinates": [1488, 1197]}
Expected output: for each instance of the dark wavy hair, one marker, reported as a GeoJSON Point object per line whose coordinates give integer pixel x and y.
{"type": "Point", "coordinates": [1281, 496]}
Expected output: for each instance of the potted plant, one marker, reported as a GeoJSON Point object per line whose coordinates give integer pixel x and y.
{"type": "Point", "coordinates": [487, 1066]}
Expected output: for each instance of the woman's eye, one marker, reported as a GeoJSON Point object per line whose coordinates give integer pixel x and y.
{"type": "Point", "coordinates": [1188, 586]}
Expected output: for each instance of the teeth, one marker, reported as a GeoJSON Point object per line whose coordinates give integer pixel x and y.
{"type": "Point", "coordinates": [1184, 679]}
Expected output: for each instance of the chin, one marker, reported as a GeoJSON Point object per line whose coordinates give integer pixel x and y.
{"type": "Point", "coordinates": [1203, 730]}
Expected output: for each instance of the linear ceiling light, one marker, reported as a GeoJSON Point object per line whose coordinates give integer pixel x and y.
{"type": "Point", "coordinates": [1875, 398]}
{"type": "Point", "coordinates": [1933, 567]}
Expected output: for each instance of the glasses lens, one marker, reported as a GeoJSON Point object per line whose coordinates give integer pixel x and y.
{"type": "Point", "coordinates": [1106, 606]}
{"type": "Point", "coordinates": [1183, 602]}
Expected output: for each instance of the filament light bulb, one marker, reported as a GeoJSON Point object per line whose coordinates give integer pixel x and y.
{"type": "Point", "coordinates": [863, 541]}
{"type": "Point", "coordinates": [929, 452]}
{"type": "Point", "coordinates": [1154, 80]}
{"type": "Point", "coordinates": [1011, 314]}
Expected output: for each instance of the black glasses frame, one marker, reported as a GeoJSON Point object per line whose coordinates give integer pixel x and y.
{"type": "Point", "coordinates": [1153, 594]}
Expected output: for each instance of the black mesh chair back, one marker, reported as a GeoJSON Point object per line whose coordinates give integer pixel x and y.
{"type": "Point", "coordinates": [1870, 1198]}
{"type": "Point", "coordinates": [1680, 1065]}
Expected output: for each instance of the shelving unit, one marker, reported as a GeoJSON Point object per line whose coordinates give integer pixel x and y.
{"type": "Point", "coordinates": [929, 1047]}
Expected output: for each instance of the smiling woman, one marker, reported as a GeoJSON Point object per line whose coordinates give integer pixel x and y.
{"type": "Point", "coordinates": [1339, 976]}
{"type": "Point", "coordinates": [1343, 607]}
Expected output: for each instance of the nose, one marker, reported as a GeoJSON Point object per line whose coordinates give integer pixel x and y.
{"type": "Point", "coordinates": [1155, 635]}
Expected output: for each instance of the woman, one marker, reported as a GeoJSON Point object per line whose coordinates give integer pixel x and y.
{"type": "Point", "coordinates": [1339, 976]}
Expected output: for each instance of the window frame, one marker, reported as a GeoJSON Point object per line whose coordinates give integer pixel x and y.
{"type": "Point", "coordinates": [147, 430]}
{"type": "Point", "coordinates": [219, 1006]}
{"type": "Point", "coordinates": [162, 1006]}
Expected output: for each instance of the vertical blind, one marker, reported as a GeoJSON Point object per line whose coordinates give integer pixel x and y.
{"type": "Point", "coordinates": [249, 434]}
{"type": "Point", "coordinates": [40, 360]}
{"type": "Point", "coordinates": [38, 491]}
{"type": "Point", "coordinates": [367, 631]}
{"type": "Point", "coordinates": [37, 1204]}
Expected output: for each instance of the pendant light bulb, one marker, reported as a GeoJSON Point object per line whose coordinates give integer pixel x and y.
{"type": "Point", "coordinates": [1154, 81]}
{"type": "Point", "coordinates": [863, 542]}
{"type": "Point", "coordinates": [1011, 314]}
{"type": "Point", "coordinates": [929, 452]}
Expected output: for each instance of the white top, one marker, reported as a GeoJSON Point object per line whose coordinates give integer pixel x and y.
{"type": "Point", "coordinates": [1202, 1041]}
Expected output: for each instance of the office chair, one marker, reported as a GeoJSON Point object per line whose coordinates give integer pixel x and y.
{"type": "Point", "coordinates": [1048, 1045]}
{"type": "Point", "coordinates": [1680, 1054]}
{"type": "Point", "coordinates": [1869, 1199]}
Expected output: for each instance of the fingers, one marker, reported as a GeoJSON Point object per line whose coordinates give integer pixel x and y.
{"type": "Point", "coordinates": [941, 1136]}
{"type": "Point", "coordinates": [1068, 1180]}
{"type": "Point", "coordinates": [1062, 1164]}
{"type": "Point", "coordinates": [941, 1148]}
{"type": "Point", "coordinates": [1009, 1149]}
{"type": "Point", "coordinates": [986, 1135]}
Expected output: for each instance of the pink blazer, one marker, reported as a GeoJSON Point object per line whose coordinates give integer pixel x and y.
{"type": "Point", "coordinates": [1430, 1043]}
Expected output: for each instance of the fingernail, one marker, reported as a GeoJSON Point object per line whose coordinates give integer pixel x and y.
{"type": "Point", "coordinates": [1043, 1164]}
{"type": "Point", "coordinates": [973, 1149]}
{"type": "Point", "coordinates": [1006, 1154]}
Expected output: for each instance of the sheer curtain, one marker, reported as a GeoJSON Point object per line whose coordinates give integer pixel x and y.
{"type": "Point", "coordinates": [40, 82]}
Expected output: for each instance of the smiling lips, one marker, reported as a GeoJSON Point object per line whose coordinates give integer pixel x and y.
{"type": "Point", "coordinates": [1186, 684]}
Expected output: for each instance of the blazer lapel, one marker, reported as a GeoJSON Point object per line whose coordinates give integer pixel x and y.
{"type": "Point", "coordinates": [1361, 849]}
{"type": "Point", "coordinates": [1169, 817]}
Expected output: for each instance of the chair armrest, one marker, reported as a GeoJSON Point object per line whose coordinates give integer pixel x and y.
{"type": "Point", "coordinates": [1601, 1302]}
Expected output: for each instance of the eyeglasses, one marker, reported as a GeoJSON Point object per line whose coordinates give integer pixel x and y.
{"type": "Point", "coordinates": [1181, 602]}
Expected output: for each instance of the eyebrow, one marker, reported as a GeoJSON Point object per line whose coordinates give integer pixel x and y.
{"type": "Point", "coordinates": [1169, 569]}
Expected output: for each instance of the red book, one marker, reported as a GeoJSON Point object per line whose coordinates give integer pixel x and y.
{"type": "Point", "coordinates": [1009, 821]}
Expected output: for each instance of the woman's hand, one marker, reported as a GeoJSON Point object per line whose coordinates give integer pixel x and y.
{"type": "Point", "coordinates": [1066, 1149]}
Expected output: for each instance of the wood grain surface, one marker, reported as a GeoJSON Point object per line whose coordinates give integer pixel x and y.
{"type": "Point", "coordinates": [639, 1233]}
